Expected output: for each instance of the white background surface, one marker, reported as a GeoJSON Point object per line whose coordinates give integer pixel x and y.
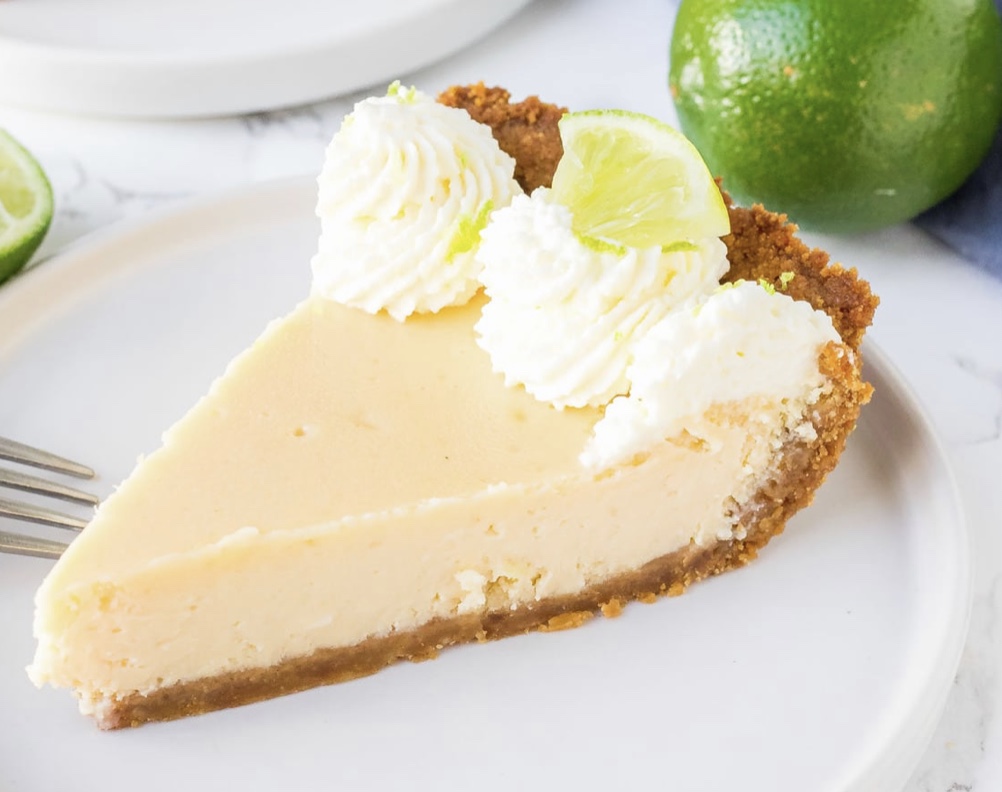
{"type": "Point", "coordinates": [940, 318]}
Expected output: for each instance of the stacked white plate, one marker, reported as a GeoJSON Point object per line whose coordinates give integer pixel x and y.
{"type": "Point", "coordinates": [175, 58]}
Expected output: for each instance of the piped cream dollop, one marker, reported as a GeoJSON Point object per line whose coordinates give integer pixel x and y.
{"type": "Point", "coordinates": [406, 187]}
{"type": "Point", "coordinates": [565, 315]}
{"type": "Point", "coordinates": [742, 341]}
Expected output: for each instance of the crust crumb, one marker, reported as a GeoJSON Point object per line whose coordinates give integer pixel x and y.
{"type": "Point", "coordinates": [426, 653]}
{"type": "Point", "coordinates": [566, 621]}
{"type": "Point", "coordinates": [526, 131]}
{"type": "Point", "coordinates": [613, 608]}
{"type": "Point", "coordinates": [648, 597]}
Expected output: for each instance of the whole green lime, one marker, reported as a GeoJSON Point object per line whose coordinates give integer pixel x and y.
{"type": "Point", "coordinates": [848, 115]}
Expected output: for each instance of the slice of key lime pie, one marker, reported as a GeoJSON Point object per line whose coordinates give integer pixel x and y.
{"type": "Point", "coordinates": [495, 412]}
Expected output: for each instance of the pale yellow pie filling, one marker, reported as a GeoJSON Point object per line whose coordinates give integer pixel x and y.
{"type": "Point", "coordinates": [350, 476]}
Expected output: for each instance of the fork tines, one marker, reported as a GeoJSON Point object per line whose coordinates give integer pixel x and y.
{"type": "Point", "coordinates": [26, 455]}
{"type": "Point", "coordinates": [13, 451]}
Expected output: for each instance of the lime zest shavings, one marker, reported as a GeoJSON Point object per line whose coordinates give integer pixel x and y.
{"type": "Point", "coordinates": [467, 234]}
{"type": "Point", "coordinates": [402, 94]}
{"type": "Point", "coordinates": [765, 283]}
{"type": "Point", "coordinates": [600, 245]}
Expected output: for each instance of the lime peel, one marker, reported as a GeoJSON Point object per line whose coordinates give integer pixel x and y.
{"type": "Point", "coordinates": [599, 245]}
{"type": "Point", "coordinates": [682, 246]}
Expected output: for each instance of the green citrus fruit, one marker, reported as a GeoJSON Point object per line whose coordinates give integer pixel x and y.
{"type": "Point", "coordinates": [633, 180]}
{"type": "Point", "coordinates": [845, 114]}
{"type": "Point", "coordinates": [25, 206]}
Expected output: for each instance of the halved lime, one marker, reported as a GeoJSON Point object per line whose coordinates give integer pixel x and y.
{"type": "Point", "coordinates": [631, 179]}
{"type": "Point", "coordinates": [25, 206]}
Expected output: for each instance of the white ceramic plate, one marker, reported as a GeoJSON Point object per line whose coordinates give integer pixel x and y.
{"type": "Point", "coordinates": [149, 58]}
{"type": "Point", "coordinates": [824, 665]}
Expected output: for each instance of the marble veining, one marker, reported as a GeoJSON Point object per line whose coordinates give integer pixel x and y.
{"type": "Point", "coordinates": [958, 745]}
{"type": "Point", "coordinates": [992, 377]}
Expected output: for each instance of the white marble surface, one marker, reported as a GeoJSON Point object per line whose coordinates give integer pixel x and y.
{"type": "Point", "coordinates": [940, 318]}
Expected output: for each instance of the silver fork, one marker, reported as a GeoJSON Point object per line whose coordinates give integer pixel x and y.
{"type": "Point", "coordinates": [20, 544]}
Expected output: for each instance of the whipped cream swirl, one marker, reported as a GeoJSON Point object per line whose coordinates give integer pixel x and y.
{"type": "Point", "coordinates": [565, 314]}
{"type": "Point", "coordinates": [406, 187]}
{"type": "Point", "coordinates": [742, 341]}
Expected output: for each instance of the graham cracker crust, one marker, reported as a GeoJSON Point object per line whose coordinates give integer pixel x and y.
{"type": "Point", "coordinates": [761, 245]}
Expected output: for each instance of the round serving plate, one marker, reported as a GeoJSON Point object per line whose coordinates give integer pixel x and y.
{"type": "Point", "coordinates": [824, 665]}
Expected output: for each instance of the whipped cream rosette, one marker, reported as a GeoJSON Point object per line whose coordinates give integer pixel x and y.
{"type": "Point", "coordinates": [742, 341]}
{"type": "Point", "coordinates": [566, 312]}
{"type": "Point", "coordinates": [407, 180]}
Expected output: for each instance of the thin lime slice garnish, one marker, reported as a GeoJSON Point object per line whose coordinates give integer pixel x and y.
{"type": "Point", "coordinates": [25, 206]}
{"type": "Point", "coordinates": [633, 180]}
